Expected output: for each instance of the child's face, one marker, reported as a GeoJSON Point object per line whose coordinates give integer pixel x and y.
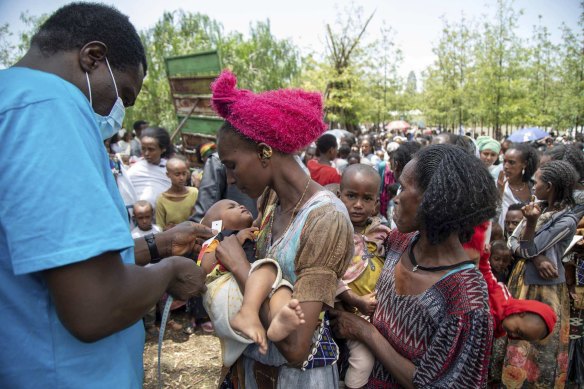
{"type": "Point", "coordinates": [178, 173]}
{"type": "Point", "coordinates": [143, 216]}
{"type": "Point", "coordinates": [500, 260]}
{"type": "Point", "coordinates": [234, 215]}
{"type": "Point", "coordinates": [365, 147]}
{"type": "Point", "coordinates": [359, 194]}
{"type": "Point", "coordinates": [525, 325]}
{"type": "Point", "coordinates": [512, 220]}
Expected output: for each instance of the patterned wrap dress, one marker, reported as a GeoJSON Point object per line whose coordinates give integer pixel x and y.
{"type": "Point", "coordinates": [446, 331]}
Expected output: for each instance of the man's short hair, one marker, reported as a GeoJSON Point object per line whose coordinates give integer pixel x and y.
{"type": "Point", "coordinates": [74, 25]}
{"type": "Point", "coordinates": [515, 207]}
{"type": "Point", "coordinates": [138, 124]}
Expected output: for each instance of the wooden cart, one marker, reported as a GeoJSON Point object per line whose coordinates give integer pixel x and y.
{"type": "Point", "coordinates": [190, 77]}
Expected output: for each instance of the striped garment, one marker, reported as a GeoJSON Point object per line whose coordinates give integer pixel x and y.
{"type": "Point", "coordinates": [447, 331]}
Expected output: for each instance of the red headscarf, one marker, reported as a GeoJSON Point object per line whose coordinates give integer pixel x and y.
{"type": "Point", "coordinates": [548, 315]}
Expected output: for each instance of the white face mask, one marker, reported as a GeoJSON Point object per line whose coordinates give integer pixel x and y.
{"type": "Point", "coordinates": [112, 123]}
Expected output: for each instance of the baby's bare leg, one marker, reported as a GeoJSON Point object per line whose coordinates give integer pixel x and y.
{"type": "Point", "coordinates": [285, 313]}
{"type": "Point", "coordinates": [257, 288]}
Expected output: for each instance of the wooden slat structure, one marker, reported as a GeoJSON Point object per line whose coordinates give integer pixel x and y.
{"type": "Point", "coordinates": [190, 77]}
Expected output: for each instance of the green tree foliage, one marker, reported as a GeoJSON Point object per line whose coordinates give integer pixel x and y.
{"type": "Point", "coordinates": [261, 61]}
{"type": "Point", "coordinates": [346, 55]}
{"type": "Point", "coordinates": [384, 86]}
{"type": "Point", "coordinates": [570, 110]}
{"type": "Point", "coordinates": [483, 76]}
{"type": "Point", "coordinates": [11, 52]}
{"type": "Point", "coordinates": [176, 33]}
{"type": "Point", "coordinates": [448, 80]}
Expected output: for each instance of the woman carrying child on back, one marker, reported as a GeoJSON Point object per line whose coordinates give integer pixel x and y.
{"type": "Point", "coordinates": [539, 242]}
{"type": "Point", "coordinates": [304, 228]}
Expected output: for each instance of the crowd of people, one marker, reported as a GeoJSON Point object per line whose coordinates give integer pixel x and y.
{"type": "Point", "coordinates": [320, 259]}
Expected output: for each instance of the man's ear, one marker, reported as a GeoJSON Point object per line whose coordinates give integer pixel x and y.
{"type": "Point", "coordinates": [91, 54]}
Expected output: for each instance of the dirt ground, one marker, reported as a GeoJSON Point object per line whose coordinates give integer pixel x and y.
{"type": "Point", "coordinates": [188, 361]}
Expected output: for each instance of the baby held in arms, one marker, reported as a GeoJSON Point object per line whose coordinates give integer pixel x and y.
{"type": "Point", "coordinates": [265, 282]}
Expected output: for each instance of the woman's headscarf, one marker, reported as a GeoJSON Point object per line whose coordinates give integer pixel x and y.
{"type": "Point", "coordinates": [285, 119]}
{"type": "Point", "coordinates": [488, 143]}
{"type": "Point", "coordinates": [543, 310]}
{"type": "Point", "coordinates": [207, 149]}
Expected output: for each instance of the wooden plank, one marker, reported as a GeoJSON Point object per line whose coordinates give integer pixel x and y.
{"type": "Point", "coordinates": [192, 141]}
{"type": "Point", "coordinates": [203, 63]}
{"type": "Point", "coordinates": [184, 104]}
{"type": "Point", "coordinates": [207, 125]}
{"type": "Point", "coordinates": [182, 123]}
{"type": "Point", "coordinates": [200, 85]}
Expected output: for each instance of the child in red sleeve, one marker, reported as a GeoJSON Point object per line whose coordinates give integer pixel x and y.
{"type": "Point", "coordinates": [519, 319]}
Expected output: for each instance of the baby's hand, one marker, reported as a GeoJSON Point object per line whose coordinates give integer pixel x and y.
{"type": "Point", "coordinates": [246, 234]}
{"type": "Point", "coordinates": [366, 304]}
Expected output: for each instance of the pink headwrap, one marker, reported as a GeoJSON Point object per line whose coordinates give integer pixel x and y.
{"type": "Point", "coordinates": [285, 119]}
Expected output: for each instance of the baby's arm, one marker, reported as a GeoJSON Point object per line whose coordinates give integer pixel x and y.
{"type": "Point", "coordinates": [365, 304]}
{"type": "Point", "coordinates": [246, 234]}
{"type": "Point", "coordinates": [209, 262]}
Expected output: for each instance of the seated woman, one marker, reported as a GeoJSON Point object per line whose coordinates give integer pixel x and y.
{"type": "Point", "coordinates": [432, 326]}
{"type": "Point", "coordinates": [304, 227]}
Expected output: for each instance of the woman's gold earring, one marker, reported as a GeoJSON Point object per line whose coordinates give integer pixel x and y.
{"type": "Point", "coordinates": [266, 153]}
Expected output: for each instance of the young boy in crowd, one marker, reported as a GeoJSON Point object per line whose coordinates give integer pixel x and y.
{"type": "Point", "coordinates": [176, 204]}
{"type": "Point", "coordinates": [143, 214]}
{"type": "Point", "coordinates": [359, 191]}
{"type": "Point", "coordinates": [500, 260]}
{"type": "Point", "coordinates": [229, 310]}
{"type": "Point", "coordinates": [512, 219]}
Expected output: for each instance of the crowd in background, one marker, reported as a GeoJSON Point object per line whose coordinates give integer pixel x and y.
{"type": "Point", "coordinates": [513, 167]}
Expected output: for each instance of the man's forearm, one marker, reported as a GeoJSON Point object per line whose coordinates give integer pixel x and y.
{"type": "Point", "coordinates": [163, 242]}
{"type": "Point", "coordinates": [100, 296]}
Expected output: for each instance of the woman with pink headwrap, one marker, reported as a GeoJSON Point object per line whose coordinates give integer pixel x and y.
{"type": "Point", "coordinates": [304, 227]}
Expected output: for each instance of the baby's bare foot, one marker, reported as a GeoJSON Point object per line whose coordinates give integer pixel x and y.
{"type": "Point", "coordinates": [286, 321]}
{"type": "Point", "coordinates": [249, 325]}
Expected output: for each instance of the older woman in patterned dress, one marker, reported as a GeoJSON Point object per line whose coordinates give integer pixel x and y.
{"type": "Point", "coordinates": [432, 327]}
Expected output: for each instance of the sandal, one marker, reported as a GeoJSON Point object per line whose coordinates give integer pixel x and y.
{"type": "Point", "coordinates": [207, 327]}
{"type": "Point", "coordinates": [174, 325]}
{"type": "Point", "coordinates": [190, 329]}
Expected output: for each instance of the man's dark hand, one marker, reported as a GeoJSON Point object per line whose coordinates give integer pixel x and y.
{"type": "Point", "coordinates": [189, 279]}
{"type": "Point", "coordinates": [187, 237]}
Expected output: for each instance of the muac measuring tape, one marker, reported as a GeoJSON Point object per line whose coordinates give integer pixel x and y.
{"type": "Point", "coordinates": [216, 225]}
{"type": "Point", "coordinates": [165, 314]}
